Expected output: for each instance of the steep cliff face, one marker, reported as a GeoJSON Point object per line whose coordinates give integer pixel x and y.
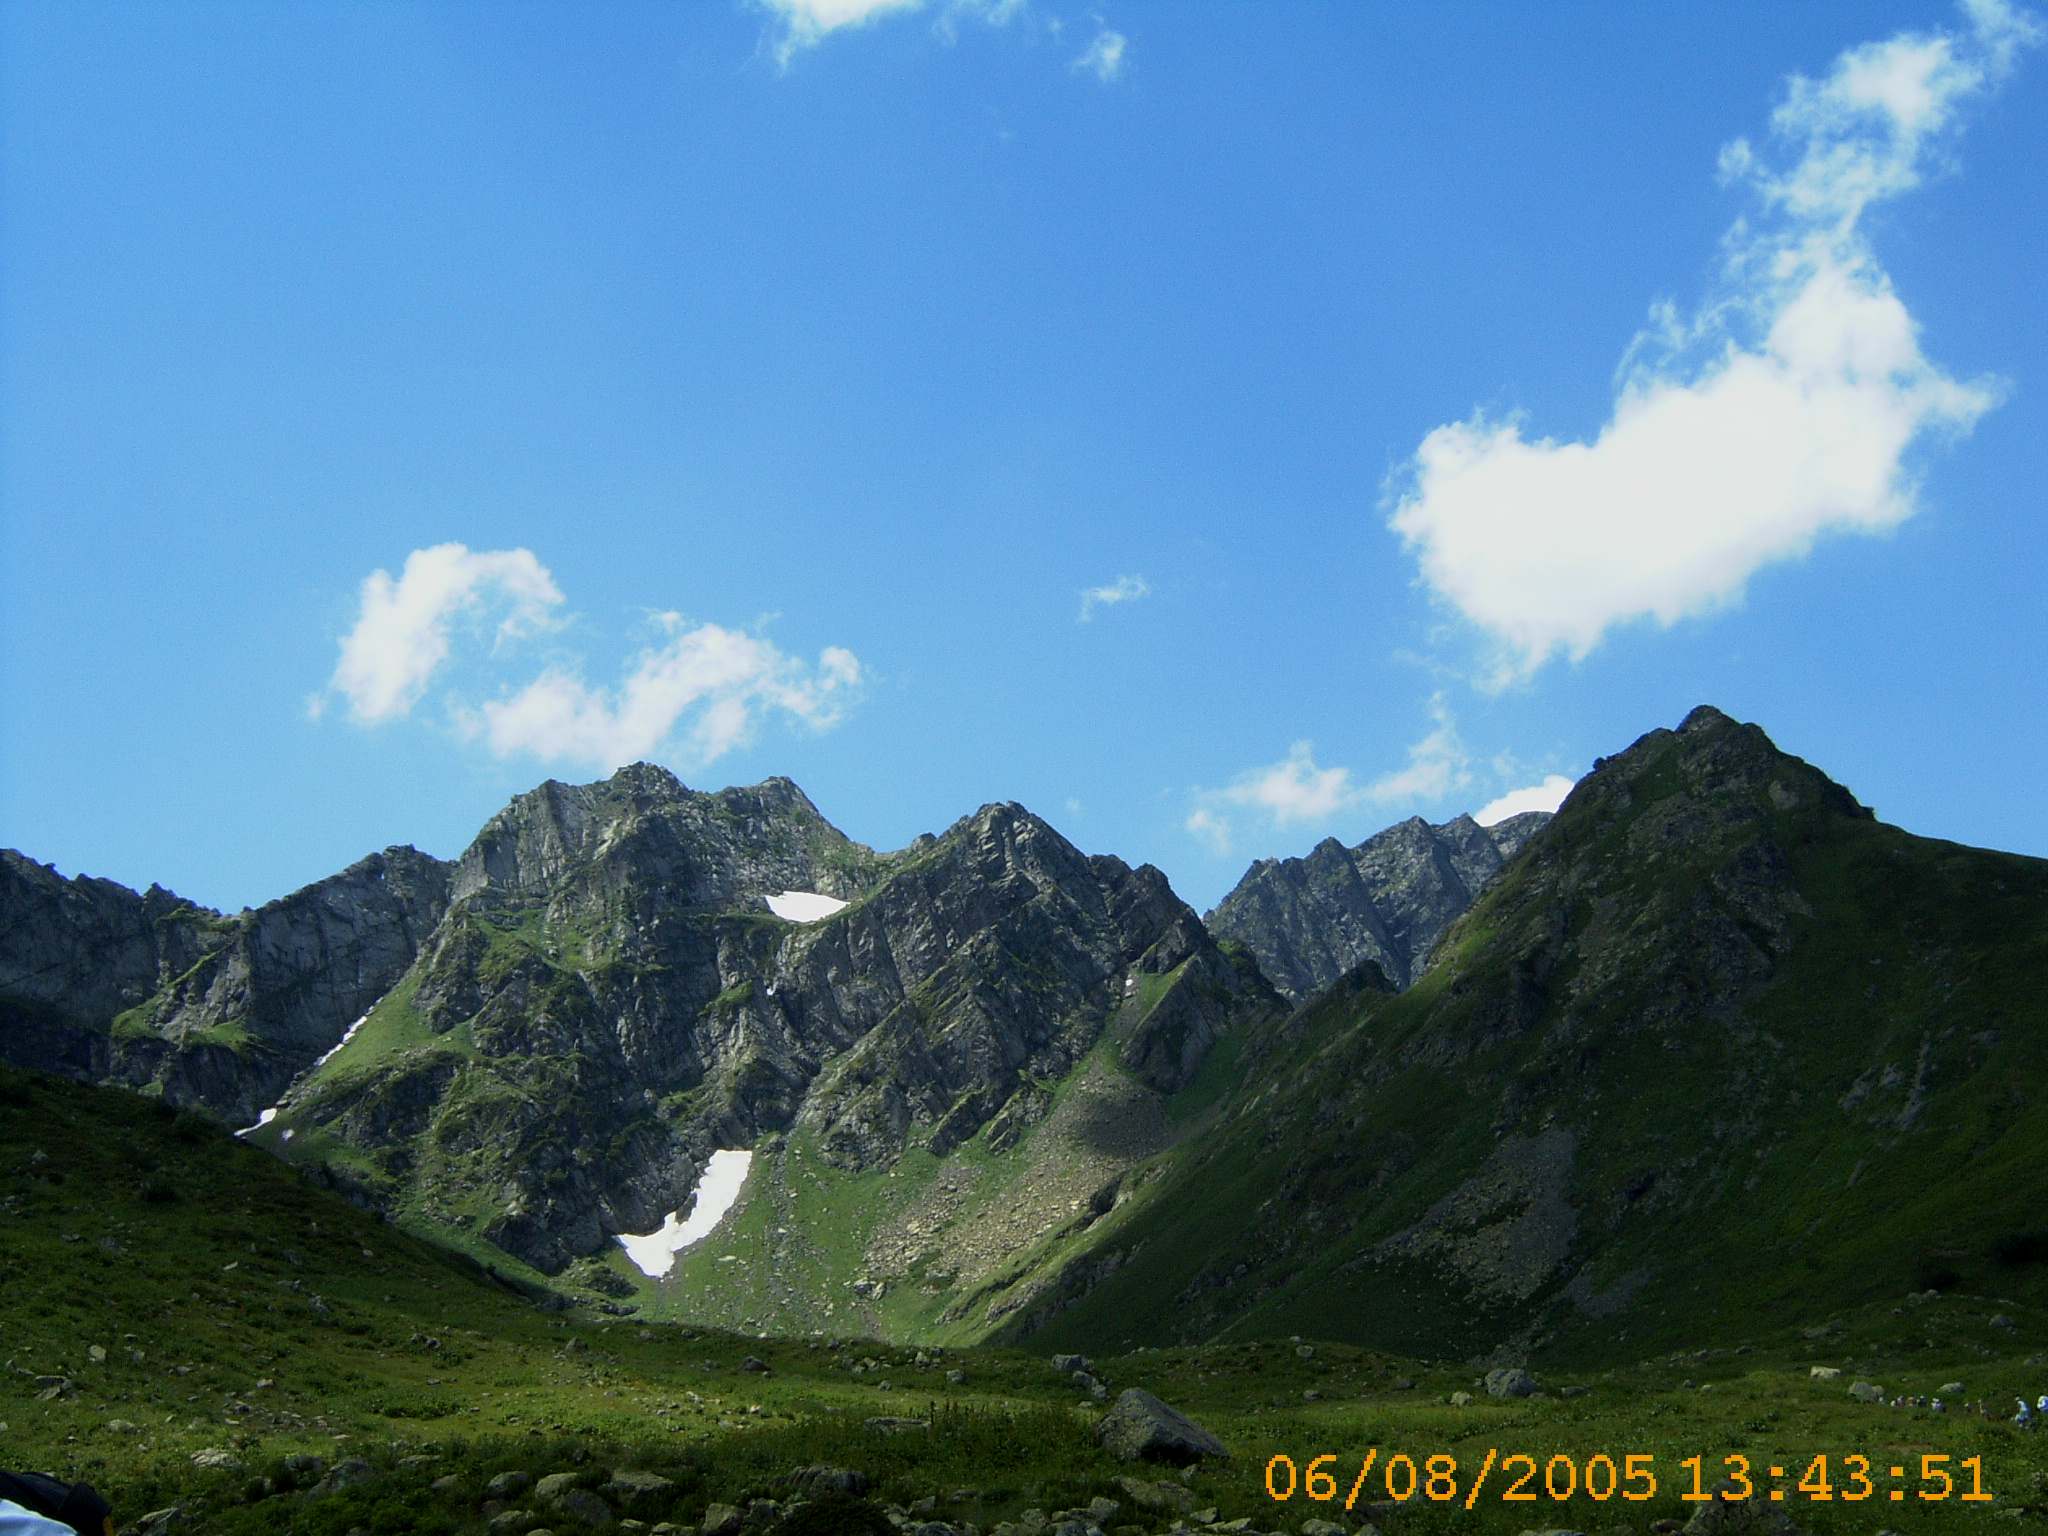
{"type": "Point", "coordinates": [214, 1012]}
{"type": "Point", "coordinates": [1388, 900]}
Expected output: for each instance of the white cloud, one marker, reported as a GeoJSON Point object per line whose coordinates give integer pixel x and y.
{"type": "Point", "coordinates": [1296, 791]}
{"type": "Point", "coordinates": [806, 23]}
{"type": "Point", "coordinates": [1103, 57]}
{"type": "Point", "coordinates": [401, 633]}
{"type": "Point", "coordinates": [1125, 589]}
{"type": "Point", "coordinates": [1547, 796]}
{"type": "Point", "coordinates": [727, 677]}
{"type": "Point", "coordinates": [1210, 828]}
{"type": "Point", "coordinates": [1437, 764]}
{"type": "Point", "coordinates": [701, 689]}
{"type": "Point", "coordinates": [1780, 412]}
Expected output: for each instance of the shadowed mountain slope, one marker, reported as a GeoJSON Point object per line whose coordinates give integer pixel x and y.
{"type": "Point", "coordinates": [1718, 1046]}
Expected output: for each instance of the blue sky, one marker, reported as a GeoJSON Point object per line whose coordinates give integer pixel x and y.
{"type": "Point", "coordinates": [401, 405]}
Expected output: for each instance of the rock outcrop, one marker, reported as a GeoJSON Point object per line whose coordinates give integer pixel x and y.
{"type": "Point", "coordinates": [1388, 900]}
{"type": "Point", "coordinates": [214, 1012]}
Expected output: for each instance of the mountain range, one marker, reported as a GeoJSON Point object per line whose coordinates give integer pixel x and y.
{"type": "Point", "coordinates": [1710, 1037]}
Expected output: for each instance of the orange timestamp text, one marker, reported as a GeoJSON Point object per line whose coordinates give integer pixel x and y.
{"type": "Point", "coordinates": [1518, 1477]}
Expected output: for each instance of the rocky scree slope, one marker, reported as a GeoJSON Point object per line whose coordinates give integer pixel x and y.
{"type": "Point", "coordinates": [1718, 1047]}
{"type": "Point", "coordinates": [1310, 920]}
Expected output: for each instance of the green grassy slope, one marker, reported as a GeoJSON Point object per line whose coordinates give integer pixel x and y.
{"type": "Point", "coordinates": [1718, 1051]}
{"type": "Point", "coordinates": [194, 1297]}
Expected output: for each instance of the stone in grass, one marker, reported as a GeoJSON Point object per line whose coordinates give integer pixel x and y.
{"type": "Point", "coordinates": [1511, 1381]}
{"type": "Point", "coordinates": [1866, 1392]}
{"type": "Point", "coordinates": [625, 1487]}
{"type": "Point", "coordinates": [833, 1513]}
{"type": "Point", "coordinates": [509, 1485]}
{"type": "Point", "coordinates": [558, 1491]}
{"type": "Point", "coordinates": [1142, 1428]}
{"type": "Point", "coordinates": [351, 1472]}
{"type": "Point", "coordinates": [510, 1522]}
{"type": "Point", "coordinates": [1322, 1528]}
{"type": "Point", "coordinates": [721, 1520]}
{"type": "Point", "coordinates": [814, 1481]}
{"type": "Point", "coordinates": [1826, 1373]}
{"type": "Point", "coordinates": [1727, 1516]}
{"type": "Point", "coordinates": [1158, 1496]}
{"type": "Point", "coordinates": [1067, 1365]}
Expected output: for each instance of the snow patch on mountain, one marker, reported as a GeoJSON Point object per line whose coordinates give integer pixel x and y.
{"type": "Point", "coordinates": [654, 1253]}
{"type": "Point", "coordinates": [804, 906]}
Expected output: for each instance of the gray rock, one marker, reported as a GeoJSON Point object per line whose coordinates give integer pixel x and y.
{"type": "Point", "coordinates": [1157, 1496]}
{"type": "Point", "coordinates": [1825, 1373]}
{"type": "Point", "coordinates": [1068, 1365]}
{"type": "Point", "coordinates": [1748, 1517]}
{"type": "Point", "coordinates": [577, 1504]}
{"type": "Point", "coordinates": [720, 1520]}
{"type": "Point", "coordinates": [216, 1459]}
{"type": "Point", "coordinates": [1461, 1399]}
{"type": "Point", "coordinates": [1511, 1381]}
{"type": "Point", "coordinates": [1866, 1392]}
{"type": "Point", "coordinates": [627, 1487]}
{"type": "Point", "coordinates": [508, 1485]}
{"type": "Point", "coordinates": [350, 1472]}
{"type": "Point", "coordinates": [814, 1480]}
{"type": "Point", "coordinates": [1142, 1428]}
{"type": "Point", "coordinates": [510, 1522]}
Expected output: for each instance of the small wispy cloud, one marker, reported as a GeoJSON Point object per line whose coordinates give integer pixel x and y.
{"type": "Point", "coordinates": [1125, 589]}
{"type": "Point", "coordinates": [1298, 791]}
{"type": "Point", "coordinates": [807, 23]}
{"type": "Point", "coordinates": [700, 690]}
{"type": "Point", "coordinates": [1103, 57]}
{"type": "Point", "coordinates": [1780, 411]}
{"type": "Point", "coordinates": [1546, 796]}
{"type": "Point", "coordinates": [798, 25]}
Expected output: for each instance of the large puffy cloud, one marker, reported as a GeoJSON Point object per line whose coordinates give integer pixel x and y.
{"type": "Point", "coordinates": [724, 679]}
{"type": "Point", "coordinates": [402, 629]}
{"type": "Point", "coordinates": [701, 690]}
{"type": "Point", "coordinates": [1781, 411]}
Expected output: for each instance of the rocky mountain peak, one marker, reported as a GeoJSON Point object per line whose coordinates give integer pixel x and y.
{"type": "Point", "coordinates": [1310, 921]}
